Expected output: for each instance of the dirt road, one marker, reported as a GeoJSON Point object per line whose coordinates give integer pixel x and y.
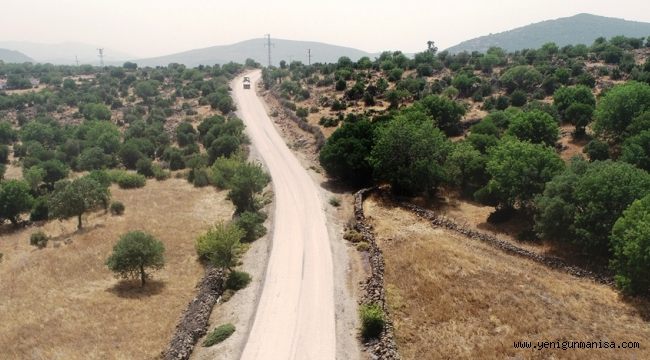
{"type": "Point", "coordinates": [295, 314]}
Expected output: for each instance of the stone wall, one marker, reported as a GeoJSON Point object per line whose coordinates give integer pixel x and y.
{"type": "Point", "coordinates": [549, 261]}
{"type": "Point", "coordinates": [194, 321]}
{"type": "Point", "coordinates": [373, 288]}
{"type": "Point", "coordinates": [319, 138]}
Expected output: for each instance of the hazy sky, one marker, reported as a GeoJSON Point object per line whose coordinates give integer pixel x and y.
{"type": "Point", "coordinates": [157, 27]}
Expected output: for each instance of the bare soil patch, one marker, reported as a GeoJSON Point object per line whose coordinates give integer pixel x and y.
{"type": "Point", "coordinates": [61, 302]}
{"type": "Point", "coordinates": [451, 297]}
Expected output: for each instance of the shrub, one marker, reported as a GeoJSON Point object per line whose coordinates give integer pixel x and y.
{"type": "Point", "coordinates": [238, 280]}
{"type": "Point", "coordinates": [159, 173]}
{"type": "Point", "coordinates": [219, 334]}
{"type": "Point", "coordinates": [220, 245]}
{"type": "Point", "coordinates": [363, 246]}
{"type": "Point", "coordinates": [131, 181]}
{"type": "Point", "coordinates": [302, 112]}
{"type": "Point", "coordinates": [117, 208]}
{"type": "Point", "coordinates": [334, 201]}
{"type": "Point", "coordinates": [38, 239]}
{"type": "Point", "coordinates": [144, 167]}
{"type": "Point", "coordinates": [39, 210]}
{"type": "Point", "coordinates": [200, 177]}
{"type": "Point", "coordinates": [252, 224]}
{"type": "Point", "coordinates": [372, 321]}
{"type": "Point", "coordinates": [353, 236]}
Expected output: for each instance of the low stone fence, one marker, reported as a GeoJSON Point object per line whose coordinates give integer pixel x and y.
{"type": "Point", "coordinates": [319, 138]}
{"type": "Point", "coordinates": [549, 261]}
{"type": "Point", "coordinates": [194, 322]}
{"type": "Point", "coordinates": [374, 293]}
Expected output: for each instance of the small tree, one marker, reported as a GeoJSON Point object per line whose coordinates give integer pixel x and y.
{"type": "Point", "coordinates": [14, 200]}
{"type": "Point", "coordinates": [519, 170]}
{"type": "Point", "coordinates": [248, 180]}
{"type": "Point", "coordinates": [535, 126]}
{"type": "Point", "coordinates": [221, 245]}
{"type": "Point", "coordinates": [77, 197]}
{"type": "Point", "coordinates": [134, 253]}
{"type": "Point", "coordinates": [409, 155]}
{"type": "Point", "coordinates": [630, 242]}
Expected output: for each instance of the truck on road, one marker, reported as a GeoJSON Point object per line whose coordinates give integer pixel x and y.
{"type": "Point", "coordinates": [247, 82]}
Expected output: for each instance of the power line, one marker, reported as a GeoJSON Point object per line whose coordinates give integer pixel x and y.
{"type": "Point", "coordinates": [269, 45]}
{"type": "Point", "coordinates": [101, 57]}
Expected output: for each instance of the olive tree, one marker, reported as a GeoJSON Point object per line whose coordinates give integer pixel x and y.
{"type": "Point", "coordinates": [410, 154]}
{"type": "Point", "coordinates": [135, 253]}
{"type": "Point", "coordinates": [618, 108]}
{"type": "Point", "coordinates": [582, 204]}
{"type": "Point", "coordinates": [630, 242]}
{"type": "Point", "coordinates": [76, 197]}
{"type": "Point", "coordinates": [15, 199]}
{"type": "Point", "coordinates": [519, 171]}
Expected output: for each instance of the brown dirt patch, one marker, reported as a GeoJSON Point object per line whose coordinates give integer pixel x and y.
{"type": "Point", "coordinates": [453, 298]}
{"type": "Point", "coordinates": [61, 302]}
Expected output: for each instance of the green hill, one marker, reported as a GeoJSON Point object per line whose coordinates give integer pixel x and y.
{"type": "Point", "coordinates": [578, 29]}
{"type": "Point", "coordinates": [12, 56]}
{"type": "Point", "coordinates": [255, 49]}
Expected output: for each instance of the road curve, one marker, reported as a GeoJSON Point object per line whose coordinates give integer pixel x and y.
{"type": "Point", "coordinates": [295, 314]}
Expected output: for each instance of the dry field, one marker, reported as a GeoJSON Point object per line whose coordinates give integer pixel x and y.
{"type": "Point", "coordinates": [454, 298]}
{"type": "Point", "coordinates": [61, 302]}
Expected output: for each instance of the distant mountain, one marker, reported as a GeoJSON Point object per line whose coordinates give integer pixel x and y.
{"type": "Point", "coordinates": [578, 29]}
{"type": "Point", "coordinates": [64, 53]}
{"type": "Point", "coordinates": [255, 49]}
{"type": "Point", "coordinates": [11, 56]}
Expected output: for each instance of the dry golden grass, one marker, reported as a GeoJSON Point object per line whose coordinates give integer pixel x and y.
{"type": "Point", "coordinates": [454, 298]}
{"type": "Point", "coordinates": [63, 303]}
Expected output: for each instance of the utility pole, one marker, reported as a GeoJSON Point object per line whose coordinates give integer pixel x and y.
{"type": "Point", "coordinates": [101, 57]}
{"type": "Point", "coordinates": [268, 45]}
{"type": "Point", "coordinates": [309, 56]}
{"type": "Point", "coordinates": [76, 59]}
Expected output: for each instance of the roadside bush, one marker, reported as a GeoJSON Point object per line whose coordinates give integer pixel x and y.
{"type": "Point", "coordinates": [117, 208]}
{"type": "Point", "coordinates": [353, 236]}
{"type": "Point", "coordinates": [219, 334]}
{"type": "Point", "coordinates": [238, 280]}
{"type": "Point", "coordinates": [372, 321]}
{"type": "Point", "coordinates": [38, 239]}
{"type": "Point", "coordinates": [251, 223]}
{"type": "Point", "coordinates": [131, 181]}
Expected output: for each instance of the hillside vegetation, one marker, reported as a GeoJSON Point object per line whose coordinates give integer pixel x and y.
{"type": "Point", "coordinates": [542, 135]}
{"type": "Point", "coordinates": [577, 29]}
{"type": "Point", "coordinates": [86, 161]}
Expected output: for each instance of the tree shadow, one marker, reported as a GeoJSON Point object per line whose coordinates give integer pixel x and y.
{"type": "Point", "coordinates": [83, 230]}
{"type": "Point", "coordinates": [339, 187]}
{"type": "Point", "coordinates": [131, 289]}
{"type": "Point", "coordinates": [640, 303]}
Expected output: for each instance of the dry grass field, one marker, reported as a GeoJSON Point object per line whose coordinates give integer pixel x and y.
{"type": "Point", "coordinates": [455, 298]}
{"type": "Point", "coordinates": [61, 302]}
